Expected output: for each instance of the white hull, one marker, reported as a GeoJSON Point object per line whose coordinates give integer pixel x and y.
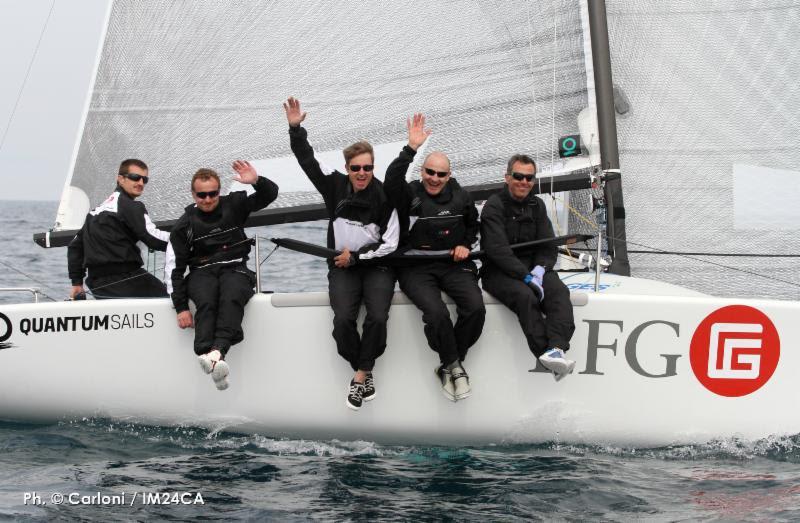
{"type": "Point", "coordinates": [287, 379]}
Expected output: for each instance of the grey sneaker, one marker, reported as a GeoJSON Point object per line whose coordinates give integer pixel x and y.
{"type": "Point", "coordinates": [355, 395]}
{"type": "Point", "coordinates": [212, 363]}
{"type": "Point", "coordinates": [369, 388]}
{"type": "Point", "coordinates": [555, 361]}
{"type": "Point", "coordinates": [209, 360]}
{"type": "Point", "coordinates": [461, 384]}
{"type": "Point", "coordinates": [448, 387]}
{"type": "Point", "coordinates": [220, 375]}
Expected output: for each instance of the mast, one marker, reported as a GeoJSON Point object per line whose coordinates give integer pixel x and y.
{"type": "Point", "coordinates": [607, 127]}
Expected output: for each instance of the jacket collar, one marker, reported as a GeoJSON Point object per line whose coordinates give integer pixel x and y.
{"type": "Point", "coordinates": [122, 192]}
{"type": "Point", "coordinates": [506, 196]}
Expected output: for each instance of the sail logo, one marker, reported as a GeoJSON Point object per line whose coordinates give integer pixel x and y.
{"type": "Point", "coordinates": [735, 350]}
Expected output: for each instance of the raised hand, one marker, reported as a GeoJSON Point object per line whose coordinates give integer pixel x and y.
{"type": "Point", "coordinates": [294, 115]}
{"type": "Point", "coordinates": [246, 173]}
{"type": "Point", "coordinates": [417, 133]}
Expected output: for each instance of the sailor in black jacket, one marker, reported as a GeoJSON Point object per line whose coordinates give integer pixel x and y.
{"type": "Point", "coordinates": [107, 244]}
{"type": "Point", "coordinates": [210, 240]}
{"type": "Point", "coordinates": [437, 216]}
{"type": "Point", "coordinates": [524, 280]}
{"type": "Point", "coordinates": [363, 226]}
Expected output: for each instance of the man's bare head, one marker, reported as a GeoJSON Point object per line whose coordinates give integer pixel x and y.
{"type": "Point", "coordinates": [435, 172]}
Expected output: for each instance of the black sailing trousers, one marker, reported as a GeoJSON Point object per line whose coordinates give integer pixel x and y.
{"type": "Point", "coordinates": [134, 284]}
{"type": "Point", "coordinates": [220, 293]}
{"type": "Point", "coordinates": [541, 334]}
{"type": "Point", "coordinates": [347, 289]}
{"type": "Point", "coordinates": [424, 283]}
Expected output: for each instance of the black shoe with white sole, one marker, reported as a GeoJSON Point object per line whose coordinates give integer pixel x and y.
{"type": "Point", "coordinates": [355, 395]}
{"type": "Point", "coordinates": [369, 388]}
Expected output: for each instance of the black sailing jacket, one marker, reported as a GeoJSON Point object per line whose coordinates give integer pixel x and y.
{"type": "Point", "coordinates": [364, 222]}
{"type": "Point", "coordinates": [431, 223]}
{"type": "Point", "coordinates": [506, 221]}
{"type": "Point", "coordinates": [107, 242]}
{"type": "Point", "coordinates": [200, 239]}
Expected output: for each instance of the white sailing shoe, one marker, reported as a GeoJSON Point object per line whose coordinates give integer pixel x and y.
{"type": "Point", "coordinates": [446, 379]}
{"type": "Point", "coordinates": [220, 375]}
{"type": "Point", "coordinates": [209, 360]}
{"type": "Point", "coordinates": [461, 384]}
{"type": "Point", "coordinates": [555, 361]}
{"type": "Point", "coordinates": [212, 363]}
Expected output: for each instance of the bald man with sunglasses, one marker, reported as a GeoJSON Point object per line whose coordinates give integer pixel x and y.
{"type": "Point", "coordinates": [107, 245]}
{"type": "Point", "coordinates": [438, 219]}
{"type": "Point", "coordinates": [524, 280]}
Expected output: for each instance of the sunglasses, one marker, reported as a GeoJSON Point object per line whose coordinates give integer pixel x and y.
{"type": "Point", "coordinates": [136, 177]}
{"type": "Point", "coordinates": [519, 177]}
{"type": "Point", "coordinates": [440, 174]}
{"type": "Point", "coordinates": [202, 195]}
{"type": "Point", "coordinates": [356, 168]}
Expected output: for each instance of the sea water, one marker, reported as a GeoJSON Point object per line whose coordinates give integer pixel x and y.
{"type": "Point", "coordinates": [111, 469]}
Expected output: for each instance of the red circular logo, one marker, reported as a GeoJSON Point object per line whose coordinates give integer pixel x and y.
{"type": "Point", "coordinates": [735, 350]}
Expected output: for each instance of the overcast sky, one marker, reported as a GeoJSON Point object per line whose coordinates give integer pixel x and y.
{"type": "Point", "coordinates": [39, 137]}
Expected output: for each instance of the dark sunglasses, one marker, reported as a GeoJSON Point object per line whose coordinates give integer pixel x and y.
{"type": "Point", "coordinates": [440, 174]}
{"type": "Point", "coordinates": [519, 177]}
{"type": "Point", "coordinates": [207, 194]}
{"type": "Point", "coordinates": [356, 168]}
{"type": "Point", "coordinates": [136, 177]}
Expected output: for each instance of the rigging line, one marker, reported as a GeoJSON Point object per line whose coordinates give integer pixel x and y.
{"type": "Point", "coordinates": [553, 102]}
{"type": "Point", "coordinates": [27, 74]}
{"type": "Point", "coordinates": [691, 256]}
{"type": "Point", "coordinates": [533, 82]}
{"type": "Point", "coordinates": [709, 262]}
{"type": "Point", "coordinates": [530, 64]}
{"type": "Point", "coordinates": [268, 255]}
{"type": "Point", "coordinates": [717, 254]}
{"type": "Point", "coordinates": [30, 278]}
{"type": "Point", "coordinates": [123, 280]}
{"type": "Point", "coordinates": [558, 223]}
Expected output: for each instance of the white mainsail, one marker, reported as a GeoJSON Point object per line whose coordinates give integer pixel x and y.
{"type": "Point", "coordinates": [712, 91]}
{"type": "Point", "coordinates": [202, 83]}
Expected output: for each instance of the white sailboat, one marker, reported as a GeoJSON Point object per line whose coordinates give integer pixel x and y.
{"type": "Point", "coordinates": [658, 363]}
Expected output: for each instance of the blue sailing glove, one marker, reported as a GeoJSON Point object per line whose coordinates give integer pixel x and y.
{"type": "Point", "coordinates": [534, 281]}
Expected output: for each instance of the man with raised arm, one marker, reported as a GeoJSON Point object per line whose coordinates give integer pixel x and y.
{"type": "Point", "coordinates": [524, 279]}
{"type": "Point", "coordinates": [107, 244]}
{"type": "Point", "coordinates": [363, 226]}
{"type": "Point", "coordinates": [438, 217]}
{"type": "Point", "coordinates": [210, 240]}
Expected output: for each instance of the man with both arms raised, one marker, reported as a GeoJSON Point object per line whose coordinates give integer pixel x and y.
{"type": "Point", "coordinates": [363, 227]}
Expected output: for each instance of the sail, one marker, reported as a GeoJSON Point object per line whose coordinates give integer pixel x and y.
{"type": "Point", "coordinates": [708, 122]}
{"type": "Point", "coordinates": [184, 85]}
